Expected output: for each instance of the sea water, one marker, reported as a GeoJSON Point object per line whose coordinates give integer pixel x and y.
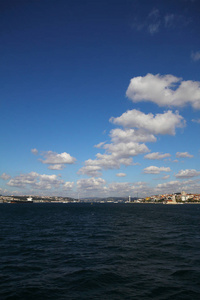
{"type": "Point", "coordinates": [99, 251]}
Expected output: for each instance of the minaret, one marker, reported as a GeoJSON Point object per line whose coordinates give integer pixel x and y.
{"type": "Point", "coordinates": [129, 199]}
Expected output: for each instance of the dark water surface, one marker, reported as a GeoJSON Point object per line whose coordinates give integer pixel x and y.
{"type": "Point", "coordinates": [100, 251]}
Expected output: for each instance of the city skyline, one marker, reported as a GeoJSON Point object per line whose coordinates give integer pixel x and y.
{"type": "Point", "coordinates": [100, 98]}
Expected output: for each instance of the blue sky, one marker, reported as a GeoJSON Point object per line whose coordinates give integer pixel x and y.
{"type": "Point", "coordinates": [99, 98]}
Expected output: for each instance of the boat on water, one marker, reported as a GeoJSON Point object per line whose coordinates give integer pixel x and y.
{"type": "Point", "coordinates": [28, 200]}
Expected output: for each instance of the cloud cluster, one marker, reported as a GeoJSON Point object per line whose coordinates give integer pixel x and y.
{"type": "Point", "coordinates": [184, 154]}
{"type": "Point", "coordinates": [37, 181]}
{"type": "Point", "coordinates": [156, 170]}
{"type": "Point", "coordinates": [135, 129]}
{"type": "Point", "coordinates": [117, 154]}
{"type": "Point", "coordinates": [165, 123]}
{"type": "Point", "coordinates": [34, 151]}
{"type": "Point", "coordinates": [129, 141]}
{"type": "Point", "coordinates": [5, 176]}
{"type": "Point", "coordinates": [121, 174]}
{"type": "Point", "coordinates": [187, 173]}
{"type": "Point", "coordinates": [55, 160]}
{"type": "Point", "coordinates": [98, 186]}
{"type": "Point", "coordinates": [177, 186]}
{"type": "Point", "coordinates": [196, 121]}
{"type": "Point", "coordinates": [128, 135]}
{"type": "Point", "coordinates": [166, 90]}
{"type": "Point", "coordinates": [157, 155]}
{"type": "Point", "coordinates": [91, 184]}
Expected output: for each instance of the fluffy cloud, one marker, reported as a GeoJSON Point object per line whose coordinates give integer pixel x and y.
{"type": "Point", "coordinates": [56, 167]}
{"type": "Point", "coordinates": [120, 154]}
{"type": "Point", "coordinates": [184, 154]}
{"type": "Point", "coordinates": [90, 184]}
{"type": "Point", "coordinates": [120, 174]}
{"type": "Point", "coordinates": [93, 171]}
{"type": "Point", "coordinates": [35, 181]}
{"type": "Point", "coordinates": [169, 187]}
{"type": "Point", "coordinates": [94, 186]}
{"type": "Point", "coordinates": [129, 188]}
{"type": "Point", "coordinates": [166, 90]}
{"type": "Point", "coordinates": [125, 150]}
{"type": "Point", "coordinates": [156, 155]}
{"type": "Point", "coordinates": [177, 186]}
{"type": "Point", "coordinates": [131, 135]}
{"type": "Point", "coordinates": [23, 180]}
{"type": "Point", "coordinates": [159, 124]}
{"type": "Point", "coordinates": [5, 176]}
{"type": "Point", "coordinates": [99, 145]}
{"type": "Point", "coordinates": [67, 186]}
{"type": "Point", "coordinates": [195, 55]}
{"type": "Point", "coordinates": [108, 161]}
{"type": "Point", "coordinates": [34, 151]}
{"type": "Point", "coordinates": [187, 173]}
{"type": "Point", "coordinates": [165, 177]}
{"type": "Point", "coordinates": [4, 191]}
{"type": "Point", "coordinates": [55, 158]}
{"type": "Point", "coordinates": [196, 121]}
{"type": "Point", "coordinates": [117, 153]}
{"type": "Point", "coordinates": [156, 170]}
{"type": "Point", "coordinates": [128, 142]}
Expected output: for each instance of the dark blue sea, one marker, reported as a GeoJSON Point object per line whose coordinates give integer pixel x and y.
{"type": "Point", "coordinates": [99, 251]}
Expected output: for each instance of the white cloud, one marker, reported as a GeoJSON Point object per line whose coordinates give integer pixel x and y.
{"type": "Point", "coordinates": [90, 184]}
{"type": "Point", "coordinates": [166, 90]}
{"type": "Point", "coordinates": [4, 191]}
{"type": "Point", "coordinates": [93, 171]}
{"type": "Point", "coordinates": [34, 151]}
{"type": "Point", "coordinates": [131, 135]}
{"type": "Point", "coordinates": [187, 173]}
{"type": "Point", "coordinates": [98, 186]}
{"type": "Point", "coordinates": [169, 187]}
{"type": "Point", "coordinates": [125, 150]}
{"type": "Point", "coordinates": [108, 161]}
{"type": "Point", "coordinates": [23, 180]}
{"type": "Point", "coordinates": [184, 154]}
{"type": "Point", "coordinates": [157, 155]}
{"type": "Point", "coordinates": [119, 154]}
{"type": "Point", "coordinates": [99, 145]}
{"type": "Point", "coordinates": [165, 177]}
{"type": "Point", "coordinates": [195, 55]}
{"type": "Point", "coordinates": [156, 170]}
{"type": "Point", "coordinates": [67, 186]}
{"type": "Point", "coordinates": [165, 123]}
{"type": "Point", "coordinates": [175, 160]}
{"type": "Point", "coordinates": [121, 175]}
{"type": "Point", "coordinates": [196, 121]}
{"type": "Point", "coordinates": [178, 186]}
{"type": "Point", "coordinates": [56, 167]}
{"type": "Point", "coordinates": [128, 188]}
{"type": "Point", "coordinates": [36, 181]}
{"type": "Point", "coordinates": [55, 158]}
{"type": "Point", "coordinates": [5, 176]}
